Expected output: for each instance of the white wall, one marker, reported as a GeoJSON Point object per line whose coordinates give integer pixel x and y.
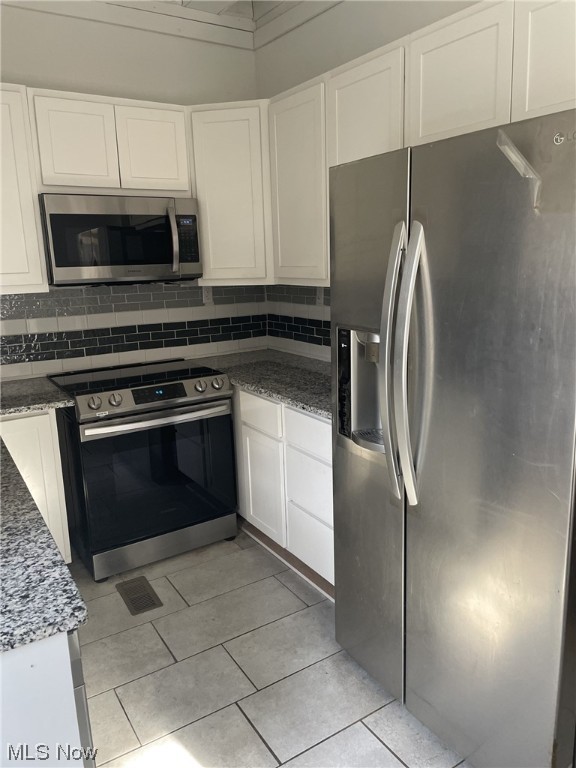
{"type": "Point", "coordinates": [342, 33]}
{"type": "Point", "coordinates": [44, 50]}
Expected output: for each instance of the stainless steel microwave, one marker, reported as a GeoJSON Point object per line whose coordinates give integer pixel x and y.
{"type": "Point", "coordinates": [110, 239]}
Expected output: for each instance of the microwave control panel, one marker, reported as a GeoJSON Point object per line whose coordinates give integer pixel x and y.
{"type": "Point", "coordinates": [188, 239]}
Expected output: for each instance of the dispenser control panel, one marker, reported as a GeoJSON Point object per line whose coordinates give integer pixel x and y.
{"type": "Point", "coordinates": [344, 383]}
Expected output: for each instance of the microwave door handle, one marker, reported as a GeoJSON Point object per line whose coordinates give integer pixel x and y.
{"type": "Point", "coordinates": [171, 210]}
{"type": "Point", "coordinates": [385, 393]}
{"type": "Point", "coordinates": [90, 432]}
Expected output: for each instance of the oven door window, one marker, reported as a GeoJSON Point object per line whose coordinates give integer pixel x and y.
{"type": "Point", "coordinates": [151, 482]}
{"type": "Point", "coordinates": [101, 240]}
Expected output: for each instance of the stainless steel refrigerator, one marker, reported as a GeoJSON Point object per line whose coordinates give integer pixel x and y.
{"type": "Point", "coordinates": [453, 272]}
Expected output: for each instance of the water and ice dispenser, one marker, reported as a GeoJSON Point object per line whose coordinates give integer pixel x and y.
{"type": "Point", "coordinates": [359, 417]}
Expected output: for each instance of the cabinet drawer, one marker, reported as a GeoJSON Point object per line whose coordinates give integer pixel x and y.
{"type": "Point", "coordinates": [309, 484]}
{"type": "Point", "coordinates": [311, 541]}
{"type": "Point", "coordinates": [261, 414]}
{"type": "Point", "coordinates": [310, 434]}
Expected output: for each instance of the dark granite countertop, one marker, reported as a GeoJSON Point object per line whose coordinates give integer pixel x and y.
{"type": "Point", "coordinates": [38, 597]}
{"type": "Point", "coordinates": [33, 394]}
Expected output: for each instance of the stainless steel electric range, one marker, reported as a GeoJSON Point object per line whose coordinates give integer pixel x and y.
{"type": "Point", "coordinates": [148, 462]}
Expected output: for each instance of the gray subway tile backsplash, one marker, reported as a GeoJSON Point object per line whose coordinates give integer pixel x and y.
{"type": "Point", "coordinates": [87, 303]}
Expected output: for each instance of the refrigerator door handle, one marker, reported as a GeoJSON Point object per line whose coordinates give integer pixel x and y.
{"type": "Point", "coordinates": [416, 249]}
{"type": "Point", "coordinates": [385, 391]}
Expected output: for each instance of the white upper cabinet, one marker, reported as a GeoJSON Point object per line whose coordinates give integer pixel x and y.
{"type": "Point", "coordinates": [97, 143]}
{"type": "Point", "coordinates": [230, 190]}
{"type": "Point", "coordinates": [459, 75]}
{"type": "Point", "coordinates": [21, 265]}
{"type": "Point", "coordinates": [299, 189]}
{"type": "Point", "coordinates": [365, 108]}
{"type": "Point", "coordinates": [152, 148]}
{"type": "Point", "coordinates": [77, 142]}
{"type": "Point", "coordinates": [544, 58]}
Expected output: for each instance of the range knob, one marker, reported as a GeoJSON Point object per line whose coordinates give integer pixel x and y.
{"type": "Point", "coordinates": [115, 399]}
{"type": "Point", "coordinates": [217, 383]}
{"type": "Point", "coordinates": [200, 386]}
{"type": "Point", "coordinates": [94, 402]}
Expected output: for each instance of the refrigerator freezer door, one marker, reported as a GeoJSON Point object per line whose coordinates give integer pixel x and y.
{"type": "Point", "coordinates": [368, 198]}
{"type": "Point", "coordinates": [488, 542]}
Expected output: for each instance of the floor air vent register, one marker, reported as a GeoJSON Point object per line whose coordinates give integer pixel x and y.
{"type": "Point", "coordinates": [138, 595]}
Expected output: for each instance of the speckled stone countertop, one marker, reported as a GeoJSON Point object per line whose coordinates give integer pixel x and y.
{"type": "Point", "coordinates": [301, 382]}
{"type": "Point", "coordinates": [34, 394]}
{"type": "Point", "coordinates": [298, 381]}
{"type": "Point", "coordinates": [38, 597]}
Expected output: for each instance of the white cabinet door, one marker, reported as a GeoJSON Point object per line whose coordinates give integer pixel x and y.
{"type": "Point", "coordinates": [152, 148]}
{"type": "Point", "coordinates": [309, 484]}
{"type": "Point", "coordinates": [77, 142]}
{"type": "Point", "coordinates": [460, 75]}
{"type": "Point", "coordinates": [311, 541]}
{"type": "Point", "coordinates": [263, 458]}
{"type": "Point", "coordinates": [298, 169]}
{"type": "Point", "coordinates": [229, 186]}
{"type": "Point", "coordinates": [21, 266]}
{"type": "Point", "coordinates": [33, 445]}
{"type": "Point", "coordinates": [544, 79]}
{"type": "Point", "coordinates": [365, 109]}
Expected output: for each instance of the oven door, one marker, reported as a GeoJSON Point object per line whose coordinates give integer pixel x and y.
{"type": "Point", "coordinates": [107, 238]}
{"type": "Point", "coordinates": [156, 473]}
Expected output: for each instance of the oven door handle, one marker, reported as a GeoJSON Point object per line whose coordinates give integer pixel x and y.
{"type": "Point", "coordinates": [88, 432]}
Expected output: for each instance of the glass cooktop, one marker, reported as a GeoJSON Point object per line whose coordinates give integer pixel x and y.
{"type": "Point", "coordinates": [128, 376]}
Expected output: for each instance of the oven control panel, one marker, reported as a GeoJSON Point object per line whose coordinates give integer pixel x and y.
{"type": "Point", "coordinates": [158, 393]}
{"type": "Point", "coordinates": [122, 402]}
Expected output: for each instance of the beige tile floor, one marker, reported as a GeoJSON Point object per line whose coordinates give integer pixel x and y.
{"type": "Point", "coordinates": [238, 668]}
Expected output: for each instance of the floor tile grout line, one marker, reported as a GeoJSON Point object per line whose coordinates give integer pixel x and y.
{"type": "Point", "coordinates": [378, 737]}
{"type": "Point", "coordinates": [228, 591]}
{"type": "Point", "coordinates": [178, 592]}
{"type": "Point", "coordinates": [246, 675]}
{"type": "Point", "coordinates": [274, 621]}
{"type": "Point", "coordinates": [322, 599]}
{"type": "Point", "coordinates": [341, 730]}
{"type": "Point", "coordinates": [262, 739]}
{"type": "Point", "coordinates": [127, 682]}
{"type": "Point", "coordinates": [127, 718]}
{"type": "Point", "coordinates": [127, 629]}
{"type": "Point", "coordinates": [319, 661]}
{"type": "Point", "coordinates": [164, 643]}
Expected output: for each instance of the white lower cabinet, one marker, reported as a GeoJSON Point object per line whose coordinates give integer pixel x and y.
{"type": "Point", "coordinates": [260, 464]}
{"type": "Point", "coordinates": [309, 511]}
{"type": "Point", "coordinates": [32, 440]}
{"type": "Point", "coordinates": [264, 480]}
{"type": "Point", "coordinates": [285, 478]}
{"type": "Point", "coordinates": [311, 541]}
